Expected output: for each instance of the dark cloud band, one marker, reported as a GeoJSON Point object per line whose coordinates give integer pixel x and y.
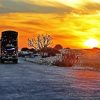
{"type": "Point", "coordinates": [10, 6]}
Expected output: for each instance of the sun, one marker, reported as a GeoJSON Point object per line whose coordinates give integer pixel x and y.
{"type": "Point", "coordinates": [91, 43]}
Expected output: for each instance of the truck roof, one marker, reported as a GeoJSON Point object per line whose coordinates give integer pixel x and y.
{"type": "Point", "coordinates": [10, 33]}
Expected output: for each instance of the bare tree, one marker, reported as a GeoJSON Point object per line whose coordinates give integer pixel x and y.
{"type": "Point", "coordinates": [40, 42]}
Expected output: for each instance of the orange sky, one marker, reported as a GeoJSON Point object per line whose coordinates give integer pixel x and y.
{"type": "Point", "coordinates": [69, 22]}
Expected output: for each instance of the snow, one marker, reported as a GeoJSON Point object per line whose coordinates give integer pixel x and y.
{"type": "Point", "coordinates": [29, 81]}
{"type": "Point", "coordinates": [88, 60]}
{"type": "Point", "coordinates": [40, 60]}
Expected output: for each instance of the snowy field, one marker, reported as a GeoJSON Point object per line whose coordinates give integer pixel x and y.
{"type": "Point", "coordinates": [29, 81]}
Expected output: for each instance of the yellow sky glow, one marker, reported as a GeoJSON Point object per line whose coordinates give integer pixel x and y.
{"type": "Point", "coordinates": [72, 22]}
{"type": "Point", "coordinates": [72, 3]}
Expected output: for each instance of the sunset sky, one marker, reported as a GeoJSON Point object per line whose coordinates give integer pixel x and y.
{"type": "Point", "coordinates": [69, 22]}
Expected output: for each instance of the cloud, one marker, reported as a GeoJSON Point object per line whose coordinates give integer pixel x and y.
{"type": "Point", "coordinates": [37, 22]}
{"type": "Point", "coordinates": [47, 6]}
{"type": "Point", "coordinates": [66, 37]}
{"type": "Point", "coordinates": [91, 7]}
{"type": "Point", "coordinates": [13, 6]}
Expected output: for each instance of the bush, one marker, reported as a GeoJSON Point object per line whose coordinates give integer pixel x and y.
{"type": "Point", "coordinates": [67, 60]}
{"type": "Point", "coordinates": [48, 52]}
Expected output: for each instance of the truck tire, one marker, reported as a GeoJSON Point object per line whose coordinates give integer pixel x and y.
{"type": "Point", "coordinates": [15, 61]}
{"type": "Point", "coordinates": [2, 61]}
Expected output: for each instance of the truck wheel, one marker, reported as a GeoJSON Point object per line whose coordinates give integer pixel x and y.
{"type": "Point", "coordinates": [15, 61]}
{"type": "Point", "coordinates": [2, 61]}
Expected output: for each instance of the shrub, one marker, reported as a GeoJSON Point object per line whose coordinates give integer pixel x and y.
{"type": "Point", "coordinates": [58, 47]}
{"type": "Point", "coordinates": [48, 52]}
{"type": "Point", "coordinates": [67, 60]}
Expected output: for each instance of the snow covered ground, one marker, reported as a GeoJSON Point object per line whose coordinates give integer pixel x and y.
{"type": "Point", "coordinates": [43, 61]}
{"type": "Point", "coordinates": [29, 81]}
{"type": "Point", "coordinates": [80, 65]}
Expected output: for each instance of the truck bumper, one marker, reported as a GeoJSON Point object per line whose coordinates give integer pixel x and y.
{"type": "Point", "coordinates": [8, 58]}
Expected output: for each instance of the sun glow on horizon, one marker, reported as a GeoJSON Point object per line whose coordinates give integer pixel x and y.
{"type": "Point", "coordinates": [91, 43]}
